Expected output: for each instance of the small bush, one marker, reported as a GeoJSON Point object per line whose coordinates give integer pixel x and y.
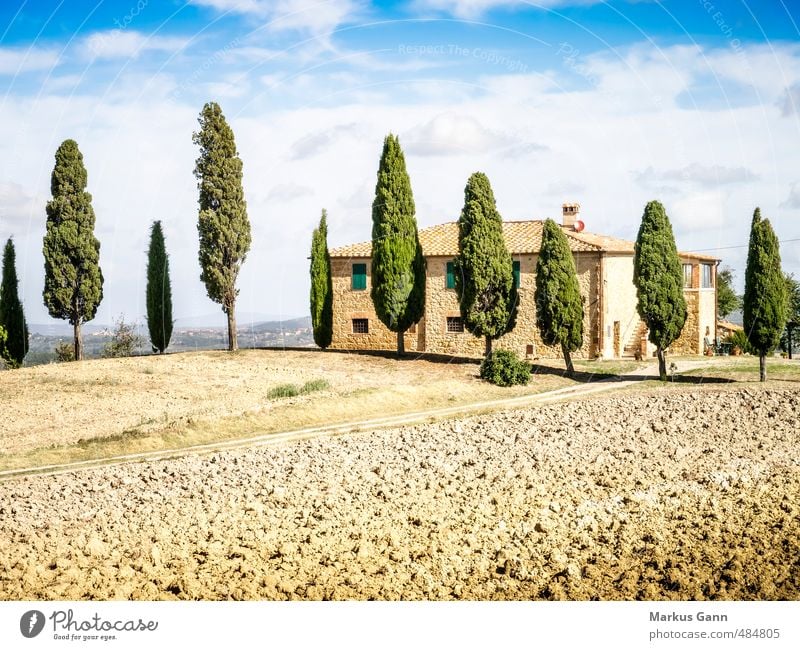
{"type": "Point", "coordinates": [124, 340]}
{"type": "Point", "coordinates": [505, 368]}
{"type": "Point", "coordinates": [738, 339]}
{"type": "Point", "coordinates": [64, 352]}
{"type": "Point", "coordinates": [314, 385]}
{"type": "Point", "coordinates": [293, 390]}
{"type": "Point", "coordinates": [284, 390]}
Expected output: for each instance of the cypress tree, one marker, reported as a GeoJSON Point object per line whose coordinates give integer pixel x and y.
{"type": "Point", "coordinates": [764, 303]}
{"type": "Point", "coordinates": [559, 306]}
{"type": "Point", "coordinates": [159, 291]}
{"type": "Point", "coordinates": [321, 285]}
{"type": "Point", "coordinates": [658, 276]}
{"type": "Point", "coordinates": [73, 281]}
{"type": "Point", "coordinates": [222, 224]}
{"type": "Point", "coordinates": [398, 267]}
{"type": "Point", "coordinates": [484, 271]}
{"type": "Point", "coordinates": [12, 317]}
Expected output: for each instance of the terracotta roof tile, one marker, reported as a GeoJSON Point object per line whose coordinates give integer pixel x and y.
{"type": "Point", "coordinates": [521, 237]}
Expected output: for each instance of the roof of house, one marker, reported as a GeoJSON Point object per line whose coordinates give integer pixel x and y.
{"type": "Point", "coordinates": [521, 237]}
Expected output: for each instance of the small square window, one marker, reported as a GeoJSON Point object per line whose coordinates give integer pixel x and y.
{"type": "Point", "coordinates": [361, 326]}
{"type": "Point", "coordinates": [707, 276]}
{"type": "Point", "coordinates": [359, 277]}
{"type": "Point", "coordinates": [687, 276]}
{"type": "Point", "coordinates": [454, 324]}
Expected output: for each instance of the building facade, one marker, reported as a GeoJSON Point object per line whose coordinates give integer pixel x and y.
{"type": "Point", "coordinates": [612, 327]}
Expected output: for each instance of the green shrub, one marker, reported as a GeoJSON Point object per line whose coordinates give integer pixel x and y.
{"type": "Point", "coordinates": [64, 352]}
{"type": "Point", "coordinates": [124, 340]}
{"type": "Point", "coordinates": [738, 339]}
{"type": "Point", "coordinates": [293, 390]}
{"type": "Point", "coordinates": [314, 385]}
{"type": "Point", "coordinates": [505, 368]}
{"type": "Point", "coordinates": [284, 390]}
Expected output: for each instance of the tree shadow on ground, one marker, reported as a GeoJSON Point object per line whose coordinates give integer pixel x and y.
{"type": "Point", "coordinates": [584, 377]}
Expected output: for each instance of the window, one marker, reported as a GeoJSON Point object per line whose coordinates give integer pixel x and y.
{"type": "Point", "coordinates": [516, 274]}
{"type": "Point", "coordinates": [450, 283]}
{"type": "Point", "coordinates": [687, 276]}
{"type": "Point", "coordinates": [361, 326]}
{"type": "Point", "coordinates": [454, 324]}
{"type": "Point", "coordinates": [359, 277]}
{"type": "Point", "coordinates": [707, 276]}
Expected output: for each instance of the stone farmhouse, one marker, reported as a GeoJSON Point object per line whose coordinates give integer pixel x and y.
{"type": "Point", "coordinates": [612, 327]}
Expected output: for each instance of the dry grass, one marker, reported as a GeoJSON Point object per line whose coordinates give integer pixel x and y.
{"type": "Point", "coordinates": [94, 409]}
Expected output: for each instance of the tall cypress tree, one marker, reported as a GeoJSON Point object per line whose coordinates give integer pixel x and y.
{"type": "Point", "coordinates": [764, 291]}
{"type": "Point", "coordinates": [559, 306]}
{"type": "Point", "coordinates": [658, 276]}
{"type": "Point", "coordinates": [484, 271]}
{"type": "Point", "coordinates": [398, 267]}
{"type": "Point", "coordinates": [159, 291]}
{"type": "Point", "coordinates": [12, 317]}
{"type": "Point", "coordinates": [321, 285]}
{"type": "Point", "coordinates": [222, 224]}
{"type": "Point", "coordinates": [73, 281]}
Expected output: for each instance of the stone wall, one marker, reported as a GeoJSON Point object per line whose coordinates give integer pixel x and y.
{"type": "Point", "coordinates": [691, 339]}
{"type": "Point", "coordinates": [442, 302]}
{"type": "Point", "coordinates": [349, 304]}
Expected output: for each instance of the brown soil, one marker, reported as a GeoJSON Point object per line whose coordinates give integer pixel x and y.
{"type": "Point", "coordinates": [674, 495]}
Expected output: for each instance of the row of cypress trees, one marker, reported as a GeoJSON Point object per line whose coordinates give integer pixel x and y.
{"type": "Point", "coordinates": [485, 284]}
{"type": "Point", "coordinates": [73, 278]}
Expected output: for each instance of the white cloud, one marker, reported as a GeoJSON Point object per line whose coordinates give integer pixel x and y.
{"type": "Point", "coordinates": [789, 103]}
{"type": "Point", "coordinates": [793, 200]}
{"type": "Point", "coordinates": [476, 8]}
{"type": "Point", "coordinates": [317, 17]}
{"type": "Point", "coordinates": [16, 60]}
{"type": "Point", "coordinates": [318, 141]}
{"type": "Point", "coordinates": [126, 44]}
{"type": "Point", "coordinates": [289, 192]}
{"type": "Point", "coordinates": [452, 134]}
{"type": "Point", "coordinates": [697, 173]}
{"type": "Point", "coordinates": [17, 207]}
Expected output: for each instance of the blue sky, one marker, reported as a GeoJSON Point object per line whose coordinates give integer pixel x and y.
{"type": "Point", "coordinates": [695, 103]}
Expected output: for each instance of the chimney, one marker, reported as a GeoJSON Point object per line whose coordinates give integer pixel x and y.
{"type": "Point", "coordinates": [569, 214]}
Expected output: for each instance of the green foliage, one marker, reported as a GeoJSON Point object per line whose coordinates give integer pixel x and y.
{"type": "Point", "coordinates": [14, 346]}
{"type": "Point", "coordinates": [484, 273]}
{"type": "Point", "coordinates": [764, 288]}
{"type": "Point", "coordinates": [658, 276]}
{"type": "Point", "coordinates": [792, 314]}
{"type": "Point", "coordinates": [559, 305]}
{"type": "Point", "coordinates": [398, 267]}
{"type": "Point", "coordinates": [321, 285]}
{"type": "Point", "coordinates": [727, 300]}
{"type": "Point", "coordinates": [505, 368]}
{"type": "Point", "coordinates": [73, 283]}
{"type": "Point", "coordinates": [124, 340]}
{"type": "Point", "coordinates": [223, 226]}
{"type": "Point", "coordinates": [64, 352]}
{"type": "Point", "coordinates": [738, 339]}
{"type": "Point", "coordinates": [159, 291]}
{"type": "Point", "coordinates": [314, 385]}
{"type": "Point", "coordinates": [293, 390]}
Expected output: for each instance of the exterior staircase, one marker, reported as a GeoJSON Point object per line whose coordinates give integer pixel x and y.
{"type": "Point", "coordinates": [634, 343]}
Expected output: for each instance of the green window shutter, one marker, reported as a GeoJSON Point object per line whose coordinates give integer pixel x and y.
{"type": "Point", "coordinates": [359, 277]}
{"type": "Point", "coordinates": [516, 274]}
{"type": "Point", "coordinates": [451, 278]}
